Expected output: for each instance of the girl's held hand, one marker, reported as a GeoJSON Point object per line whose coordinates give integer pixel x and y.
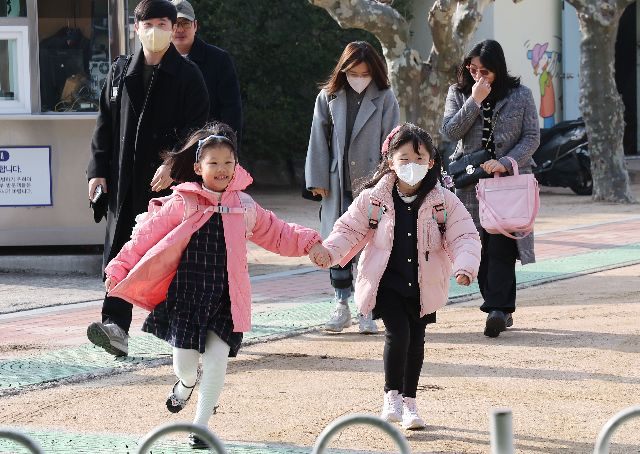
{"type": "Point", "coordinates": [321, 192]}
{"type": "Point", "coordinates": [493, 166]}
{"type": "Point", "coordinates": [320, 256]}
{"type": "Point", "coordinates": [107, 284]}
{"type": "Point", "coordinates": [463, 279]}
{"type": "Point", "coordinates": [480, 90]}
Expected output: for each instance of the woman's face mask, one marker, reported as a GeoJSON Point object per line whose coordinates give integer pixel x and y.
{"type": "Point", "coordinates": [412, 173]}
{"type": "Point", "coordinates": [359, 84]}
{"type": "Point", "coordinates": [154, 39]}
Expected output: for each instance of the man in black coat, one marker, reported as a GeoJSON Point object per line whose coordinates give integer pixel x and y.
{"type": "Point", "coordinates": [216, 65]}
{"type": "Point", "coordinates": [158, 98]}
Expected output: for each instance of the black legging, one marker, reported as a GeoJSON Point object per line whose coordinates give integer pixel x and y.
{"type": "Point", "coordinates": [403, 347]}
{"type": "Point", "coordinates": [497, 273]}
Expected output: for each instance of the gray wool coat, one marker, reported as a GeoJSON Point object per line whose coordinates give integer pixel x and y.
{"type": "Point", "coordinates": [516, 134]}
{"type": "Point", "coordinates": [378, 115]}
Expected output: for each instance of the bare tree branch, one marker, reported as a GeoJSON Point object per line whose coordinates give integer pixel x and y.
{"type": "Point", "coordinates": [387, 24]}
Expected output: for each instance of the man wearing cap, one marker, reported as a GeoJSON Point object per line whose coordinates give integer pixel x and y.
{"type": "Point", "coordinates": [217, 68]}
{"type": "Point", "coordinates": [150, 101]}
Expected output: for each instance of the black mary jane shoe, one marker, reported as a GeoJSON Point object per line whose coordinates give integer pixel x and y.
{"type": "Point", "coordinates": [175, 404]}
{"type": "Point", "coordinates": [196, 442]}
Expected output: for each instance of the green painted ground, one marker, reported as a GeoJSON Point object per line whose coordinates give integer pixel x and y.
{"type": "Point", "coordinates": [87, 359]}
{"type": "Point", "coordinates": [71, 362]}
{"type": "Point", "coordinates": [74, 443]}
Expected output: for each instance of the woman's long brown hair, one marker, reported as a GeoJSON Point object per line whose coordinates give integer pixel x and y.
{"type": "Point", "coordinates": [355, 53]}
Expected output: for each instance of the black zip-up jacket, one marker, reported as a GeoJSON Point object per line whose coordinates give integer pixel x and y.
{"type": "Point", "coordinates": [219, 74]}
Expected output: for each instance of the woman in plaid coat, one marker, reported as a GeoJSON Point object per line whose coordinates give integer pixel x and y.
{"type": "Point", "coordinates": [490, 109]}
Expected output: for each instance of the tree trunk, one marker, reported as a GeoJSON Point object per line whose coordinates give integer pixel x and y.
{"type": "Point", "coordinates": [600, 102]}
{"type": "Point", "coordinates": [420, 86]}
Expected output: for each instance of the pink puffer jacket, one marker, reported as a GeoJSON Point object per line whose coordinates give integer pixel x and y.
{"type": "Point", "coordinates": [146, 265]}
{"type": "Point", "coordinates": [461, 237]}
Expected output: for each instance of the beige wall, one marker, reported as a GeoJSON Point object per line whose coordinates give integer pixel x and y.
{"type": "Point", "coordinates": [69, 220]}
{"type": "Point", "coordinates": [518, 27]}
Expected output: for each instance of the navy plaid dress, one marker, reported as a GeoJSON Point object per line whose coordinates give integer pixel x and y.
{"type": "Point", "coordinates": [198, 297]}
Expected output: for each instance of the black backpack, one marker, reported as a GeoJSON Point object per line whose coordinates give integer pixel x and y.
{"type": "Point", "coordinates": [118, 71]}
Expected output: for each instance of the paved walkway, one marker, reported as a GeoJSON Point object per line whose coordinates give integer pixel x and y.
{"type": "Point", "coordinates": [52, 348]}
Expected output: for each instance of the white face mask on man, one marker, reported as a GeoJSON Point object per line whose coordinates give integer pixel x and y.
{"type": "Point", "coordinates": [412, 173]}
{"type": "Point", "coordinates": [154, 39]}
{"type": "Point", "coordinates": [359, 84]}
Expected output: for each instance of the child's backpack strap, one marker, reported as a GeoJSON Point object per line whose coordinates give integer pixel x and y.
{"type": "Point", "coordinates": [440, 216]}
{"type": "Point", "coordinates": [190, 207]}
{"type": "Point", "coordinates": [118, 72]}
{"type": "Point", "coordinates": [375, 211]}
{"type": "Point", "coordinates": [250, 215]}
{"type": "Point", "coordinates": [247, 208]}
{"type": "Point", "coordinates": [190, 204]}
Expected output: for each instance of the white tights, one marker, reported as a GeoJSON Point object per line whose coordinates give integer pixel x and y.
{"type": "Point", "coordinates": [214, 368]}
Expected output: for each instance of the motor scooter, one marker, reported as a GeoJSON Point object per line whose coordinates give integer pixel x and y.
{"type": "Point", "coordinates": [562, 159]}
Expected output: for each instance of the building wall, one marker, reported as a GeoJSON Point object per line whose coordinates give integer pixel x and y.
{"type": "Point", "coordinates": [531, 35]}
{"type": "Point", "coordinates": [69, 220]}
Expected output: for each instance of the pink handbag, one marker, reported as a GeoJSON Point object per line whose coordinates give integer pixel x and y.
{"type": "Point", "coordinates": [508, 204]}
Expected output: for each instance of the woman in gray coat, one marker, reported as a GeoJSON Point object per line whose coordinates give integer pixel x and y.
{"type": "Point", "coordinates": [354, 112]}
{"type": "Point", "coordinates": [490, 109]}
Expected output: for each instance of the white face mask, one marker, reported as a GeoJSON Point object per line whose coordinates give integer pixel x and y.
{"type": "Point", "coordinates": [412, 173]}
{"type": "Point", "coordinates": [359, 84]}
{"type": "Point", "coordinates": [154, 39]}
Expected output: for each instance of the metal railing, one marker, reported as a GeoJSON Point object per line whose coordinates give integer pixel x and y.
{"type": "Point", "coordinates": [349, 420]}
{"type": "Point", "coordinates": [501, 431]}
{"type": "Point", "coordinates": [604, 438]}
{"type": "Point", "coordinates": [21, 439]}
{"type": "Point", "coordinates": [201, 431]}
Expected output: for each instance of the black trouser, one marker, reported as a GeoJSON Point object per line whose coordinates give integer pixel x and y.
{"type": "Point", "coordinates": [117, 310]}
{"type": "Point", "coordinates": [403, 349]}
{"type": "Point", "coordinates": [497, 273]}
{"type": "Point", "coordinates": [342, 277]}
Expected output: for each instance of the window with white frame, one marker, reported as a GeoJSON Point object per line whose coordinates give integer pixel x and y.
{"type": "Point", "coordinates": [14, 70]}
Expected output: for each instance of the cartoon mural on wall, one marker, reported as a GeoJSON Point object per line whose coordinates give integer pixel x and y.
{"type": "Point", "coordinates": [545, 67]}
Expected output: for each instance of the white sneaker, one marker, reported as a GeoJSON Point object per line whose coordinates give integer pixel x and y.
{"type": "Point", "coordinates": [411, 420]}
{"type": "Point", "coordinates": [367, 325]}
{"type": "Point", "coordinates": [110, 337]}
{"type": "Point", "coordinates": [392, 409]}
{"type": "Point", "coordinates": [340, 319]}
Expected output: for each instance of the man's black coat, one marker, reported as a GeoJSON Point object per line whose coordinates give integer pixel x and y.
{"type": "Point", "coordinates": [222, 83]}
{"type": "Point", "coordinates": [127, 154]}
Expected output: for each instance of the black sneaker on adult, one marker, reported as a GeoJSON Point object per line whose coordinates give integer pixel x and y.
{"type": "Point", "coordinates": [109, 336]}
{"type": "Point", "coordinates": [496, 323]}
{"type": "Point", "coordinates": [196, 442]}
{"type": "Point", "coordinates": [508, 321]}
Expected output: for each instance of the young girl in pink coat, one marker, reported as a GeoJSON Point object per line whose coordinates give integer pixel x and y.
{"type": "Point", "coordinates": [404, 269]}
{"type": "Point", "coordinates": [188, 263]}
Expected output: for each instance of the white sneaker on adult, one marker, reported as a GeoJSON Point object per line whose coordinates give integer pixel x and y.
{"type": "Point", "coordinates": [367, 325]}
{"type": "Point", "coordinates": [411, 420]}
{"type": "Point", "coordinates": [340, 319]}
{"type": "Point", "coordinates": [392, 407]}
